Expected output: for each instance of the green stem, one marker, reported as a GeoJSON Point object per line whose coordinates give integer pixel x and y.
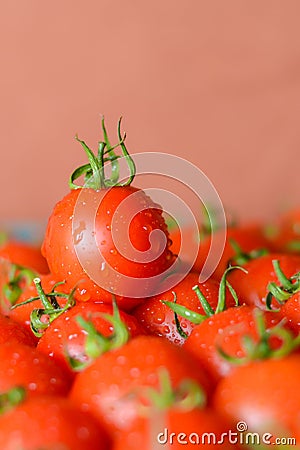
{"type": "Point", "coordinates": [94, 171]}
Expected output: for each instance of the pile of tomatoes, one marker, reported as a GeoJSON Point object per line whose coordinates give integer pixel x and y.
{"type": "Point", "coordinates": [84, 366]}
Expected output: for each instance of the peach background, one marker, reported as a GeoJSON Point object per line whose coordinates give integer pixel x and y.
{"type": "Point", "coordinates": [217, 82]}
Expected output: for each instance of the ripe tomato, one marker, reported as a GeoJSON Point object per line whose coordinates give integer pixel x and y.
{"type": "Point", "coordinates": [65, 338]}
{"type": "Point", "coordinates": [176, 429]}
{"type": "Point", "coordinates": [61, 250]}
{"type": "Point", "coordinates": [264, 394]}
{"type": "Point", "coordinates": [227, 331]}
{"type": "Point", "coordinates": [21, 365]}
{"type": "Point", "coordinates": [252, 286]}
{"type": "Point", "coordinates": [50, 423]}
{"type": "Point", "coordinates": [15, 333]}
{"type": "Point", "coordinates": [157, 318]}
{"type": "Point", "coordinates": [111, 387]}
{"type": "Point", "coordinates": [247, 237]}
{"type": "Point", "coordinates": [24, 255]}
{"type": "Point", "coordinates": [290, 312]}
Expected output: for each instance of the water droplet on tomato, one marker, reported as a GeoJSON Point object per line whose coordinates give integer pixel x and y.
{"type": "Point", "coordinates": [78, 232]}
{"type": "Point", "coordinates": [159, 318]}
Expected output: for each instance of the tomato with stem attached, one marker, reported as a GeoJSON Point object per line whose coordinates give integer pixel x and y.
{"type": "Point", "coordinates": [107, 236]}
{"type": "Point", "coordinates": [111, 387]}
{"type": "Point", "coordinates": [84, 332]}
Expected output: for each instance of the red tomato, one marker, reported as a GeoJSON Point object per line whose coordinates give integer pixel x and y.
{"type": "Point", "coordinates": [15, 333]}
{"type": "Point", "coordinates": [290, 312]}
{"type": "Point", "coordinates": [24, 255]}
{"type": "Point", "coordinates": [157, 318]}
{"type": "Point", "coordinates": [112, 385]}
{"type": "Point", "coordinates": [176, 429]}
{"type": "Point", "coordinates": [60, 247]}
{"type": "Point", "coordinates": [252, 287]}
{"type": "Point", "coordinates": [21, 365]}
{"type": "Point", "coordinates": [265, 395]}
{"type": "Point", "coordinates": [227, 331]}
{"type": "Point", "coordinates": [248, 237]}
{"type": "Point", "coordinates": [65, 338]}
{"type": "Point", "coordinates": [50, 423]}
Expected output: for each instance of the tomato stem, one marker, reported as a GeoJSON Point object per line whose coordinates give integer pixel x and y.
{"type": "Point", "coordinates": [94, 171]}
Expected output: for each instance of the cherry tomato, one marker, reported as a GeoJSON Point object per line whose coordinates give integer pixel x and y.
{"type": "Point", "coordinates": [67, 339]}
{"type": "Point", "coordinates": [21, 365]}
{"type": "Point", "coordinates": [252, 285]}
{"type": "Point", "coordinates": [111, 387]}
{"type": "Point", "coordinates": [264, 395]}
{"type": "Point", "coordinates": [50, 423]}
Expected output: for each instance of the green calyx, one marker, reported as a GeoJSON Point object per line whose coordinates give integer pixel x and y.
{"type": "Point", "coordinates": [186, 396]}
{"type": "Point", "coordinates": [240, 257]}
{"type": "Point", "coordinates": [261, 348]}
{"type": "Point", "coordinates": [41, 318]}
{"type": "Point", "coordinates": [284, 291]}
{"type": "Point", "coordinates": [196, 318]}
{"type": "Point", "coordinates": [94, 171]}
{"type": "Point", "coordinates": [16, 277]}
{"type": "Point", "coordinates": [11, 398]}
{"type": "Point", "coordinates": [96, 344]}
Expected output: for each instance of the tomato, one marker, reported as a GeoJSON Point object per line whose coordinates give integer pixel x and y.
{"type": "Point", "coordinates": [15, 333]}
{"type": "Point", "coordinates": [65, 338]}
{"type": "Point", "coordinates": [106, 236]}
{"type": "Point", "coordinates": [50, 423]}
{"type": "Point", "coordinates": [227, 331]}
{"type": "Point", "coordinates": [176, 429]}
{"type": "Point", "coordinates": [111, 387]}
{"type": "Point", "coordinates": [248, 237]}
{"type": "Point", "coordinates": [24, 255]}
{"type": "Point", "coordinates": [21, 365]}
{"type": "Point", "coordinates": [158, 318]}
{"type": "Point", "coordinates": [61, 251]}
{"type": "Point", "coordinates": [290, 312]}
{"type": "Point", "coordinates": [252, 286]}
{"type": "Point", "coordinates": [265, 395]}
{"type": "Point", "coordinates": [21, 312]}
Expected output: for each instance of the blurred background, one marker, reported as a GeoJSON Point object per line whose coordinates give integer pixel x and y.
{"type": "Point", "coordinates": [215, 82]}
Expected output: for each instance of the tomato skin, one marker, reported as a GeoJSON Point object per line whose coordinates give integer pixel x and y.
{"type": "Point", "coordinates": [158, 318]}
{"type": "Point", "coordinates": [264, 394]}
{"type": "Point", "coordinates": [252, 286]}
{"type": "Point", "coordinates": [290, 312]}
{"type": "Point", "coordinates": [21, 365]}
{"type": "Point", "coordinates": [109, 388]}
{"type": "Point", "coordinates": [65, 336]}
{"type": "Point", "coordinates": [15, 333]}
{"type": "Point", "coordinates": [248, 237]}
{"type": "Point", "coordinates": [50, 423]}
{"type": "Point", "coordinates": [24, 255]}
{"type": "Point", "coordinates": [226, 330]}
{"type": "Point", "coordinates": [166, 428]}
{"type": "Point", "coordinates": [60, 246]}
